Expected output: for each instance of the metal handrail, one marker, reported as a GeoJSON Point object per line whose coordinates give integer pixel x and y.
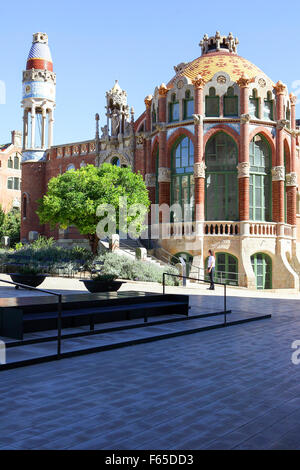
{"type": "Point", "coordinates": [200, 280]}
{"type": "Point", "coordinates": [59, 308]}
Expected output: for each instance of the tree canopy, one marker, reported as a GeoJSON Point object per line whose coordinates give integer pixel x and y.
{"type": "Point", "coordinates": [74, 197]}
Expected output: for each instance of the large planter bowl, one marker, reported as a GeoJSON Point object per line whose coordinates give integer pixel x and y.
{"type": "Point", "coordinates": [101, 286]}
{"type": "Point", "coordinates": [32, 280]}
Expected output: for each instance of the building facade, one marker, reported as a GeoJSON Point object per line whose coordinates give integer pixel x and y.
{"type": "Point", "coordinates": [219, 141]}
{"type": "Point", "coordinates": [10, 172]}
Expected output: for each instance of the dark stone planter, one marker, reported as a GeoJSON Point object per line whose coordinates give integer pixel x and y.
{"type": "Point", "coordinates": [32, 280]}
{"type": "Point", "coordinates": [101, 286]}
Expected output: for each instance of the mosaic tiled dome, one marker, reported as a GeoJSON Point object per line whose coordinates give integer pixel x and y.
{"type": "Point", "coordinates": [209, 64]}
{"type": "Point", "coordinates": [218, 54]}
{"type": "Point", "coordinates": [39, 56]}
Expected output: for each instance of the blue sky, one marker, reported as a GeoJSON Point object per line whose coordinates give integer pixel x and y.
{"type": "Point", "coordinates": [95, 42]}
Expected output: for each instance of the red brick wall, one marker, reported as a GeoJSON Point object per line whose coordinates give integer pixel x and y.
{"type": "Point", "coordinates": [33, 185]}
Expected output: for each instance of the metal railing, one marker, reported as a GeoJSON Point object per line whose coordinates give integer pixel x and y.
{"type": "Point", "coordinates": [225, 311]}
{"type": "Point", "coordinates": [59, 308]}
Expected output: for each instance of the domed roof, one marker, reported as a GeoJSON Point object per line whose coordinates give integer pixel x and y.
{"type": "Point", "coordinates": [218, 55]}
{"type": "Point", "coordinates": [39, 56]}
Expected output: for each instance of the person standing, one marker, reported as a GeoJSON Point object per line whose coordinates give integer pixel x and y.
{"type": "Point", "coordinates": [211, 269]}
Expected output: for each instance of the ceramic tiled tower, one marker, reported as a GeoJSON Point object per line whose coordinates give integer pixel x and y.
{"type": "Point", "coordinates": [39, 82]}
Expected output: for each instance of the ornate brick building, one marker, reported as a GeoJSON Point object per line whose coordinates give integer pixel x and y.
{"type": "Point", "coordinates": [219, 140]}
{"type": "Point", "coordinates": [10, 172]}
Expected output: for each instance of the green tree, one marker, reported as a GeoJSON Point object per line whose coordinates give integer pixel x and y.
{"type": "Point", "coordinates": [2, 217]}
{"type": "Point", "coordinates": [73, 198]}
{"type": "Point", "coordinates": [11, 226]}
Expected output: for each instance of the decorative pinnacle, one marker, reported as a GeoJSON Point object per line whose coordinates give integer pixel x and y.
{"type": "Point", "coordinates": [218, 42]}
{"type": "Point", "coordinates": [244, 80]}
{"type": "Point", "coordinates": [163, 90]}
{"type": "Point", "coordinates": [293, 99]}
{"type": "Point", "coordinates": [198, 81]}
{"type": "Point", "coordinates": [148, 101]}
{"type": "Point", "coordinates": [280, 88]}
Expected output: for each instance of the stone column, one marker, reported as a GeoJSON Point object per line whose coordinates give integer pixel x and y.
{"type": "Point", "coordinates": [199, 156]}
{"type": "Point", "coordinates": [50, 129]}
{"type": "Point", "coordinates": [25, 129]}
{"type": "Point", "coordinates": [164, 171]}
{"type": "Point", "coordinates": [43, 140]}
{"type": "Point", "coordinates": [244, 164]}
{"type": "Point", "coordinates": [291, 177]}
{"type": "Point", "coordinates": [33, 127]}
{"type": "Point", "coordinates": [278, 172]}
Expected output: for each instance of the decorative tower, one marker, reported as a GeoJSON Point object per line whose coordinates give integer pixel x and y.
{"type": "Point", "coordinates": [39, 83]}
{"type": "Point", "coordinates": [117, 111]}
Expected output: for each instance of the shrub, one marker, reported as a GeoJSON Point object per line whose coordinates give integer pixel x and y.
{"type": "Point", "coordinates": [124, 267]}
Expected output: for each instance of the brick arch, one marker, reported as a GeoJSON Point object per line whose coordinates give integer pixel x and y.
{"type": "Point", "coordinates": [269, 138]}
{"type": "Point", "coordinates": [222, 128]}
{"type": "Point", "coordinates": [153, 154]}
{"type": "Point", "coordinates": [287, 151]}
{"type": "Point", "coordinates": [180, 132]}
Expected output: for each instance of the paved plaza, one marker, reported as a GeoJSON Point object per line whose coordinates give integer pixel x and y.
{"type": "Point", "coordinates": [233, 388]}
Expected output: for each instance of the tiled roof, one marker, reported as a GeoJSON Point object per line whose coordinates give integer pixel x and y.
{"type": "Point", "coordinates": [209, 64]}
{"type": "Point", "coordinates": [4, 147]}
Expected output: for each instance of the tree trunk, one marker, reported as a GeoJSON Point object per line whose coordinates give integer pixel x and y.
{"type": "Point", "coordinates": [93, 241]}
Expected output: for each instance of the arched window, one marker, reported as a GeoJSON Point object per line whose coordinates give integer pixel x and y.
{"type": "Point", "coordinates": [221, 198]}
{"type": "Point", "coordinates": [260, 184]}
{"type": "Point", "coordinates": [70, 167]}
{"type": "Point", "coordinates": [262, 267]}
{"type": "Point", "coordinates": [173, 109]}
{"type": "Point", "coordinates": [188, 105]}
{"type": "Point", "coordinates": [253, 104]}
{"type": "Point", "coordinates": [288, 115]}
{"type": "Point", "coordinates": [9, 163]}
{"type": "Point", "coordinates": [115, 161]}
{"type": "Point", "coordinates": [212, 104]}
{"type": "Point", "coordinates": [16, 162]}
{"type": "Point", "coordinates": [182, 185]}
{"type": "Point", "coordinates": [268, 107]}
{"type": "Point", "coordinates": [230, 103]}
{"type": "Point", "coordinates": [154, 118]}
{"type": "Point", "coordinates": [187, 258]}
{"type": "Point", "coordinates": [24, 204]}
{"type": "Point", "coordinates": [226, 269]}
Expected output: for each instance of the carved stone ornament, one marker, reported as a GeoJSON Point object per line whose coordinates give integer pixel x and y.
{"type": "Point", "coordinates": [293, 99]}
{"type": "Point", "coordinates": [161, 126]}
{"type": "Point", "coordinates": [221, 79]}
{"type": "Point", "coordinates": [198, 119]}
{"type": "Point", "coordinates": [291, 179]}
{"type": "Point", "coordinates": [244, 81]}
{"type": "Point", "coordinates": [140, 140]}
{"type": "Point", "coordinates": [163, 90]}
{"type": "Point", "coordinates": [278, 173]}
{"type": "Point", "coordinates": [262, 82]}
{"type": "Point", "coordinates": [199, 170]}
{"type": "Point", "coordinates": [281, 123]}
{"type": "Point", "coordinates": [245, 118]}
{"type": "Point", "coordinates": [199, 82]}
{"type": "Point", "coordinates": [243, 169]}
{"type": "Point", "coordinates": [150, 180]}
{"type": "Point", "coordinates": [164, 175]}
{"type": "Point", "coordinates": [148, 101]}
{"type": "Point", "coordinates": [279, 88]}
{"type": "Point", "coordinates": [180, 84]}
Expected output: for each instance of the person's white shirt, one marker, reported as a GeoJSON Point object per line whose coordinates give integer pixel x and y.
{"type": "Point", "coordinates": [211, 262]}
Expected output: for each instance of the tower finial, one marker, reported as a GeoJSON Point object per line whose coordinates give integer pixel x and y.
{"type": "Point", "coordinates": [218, 42]}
